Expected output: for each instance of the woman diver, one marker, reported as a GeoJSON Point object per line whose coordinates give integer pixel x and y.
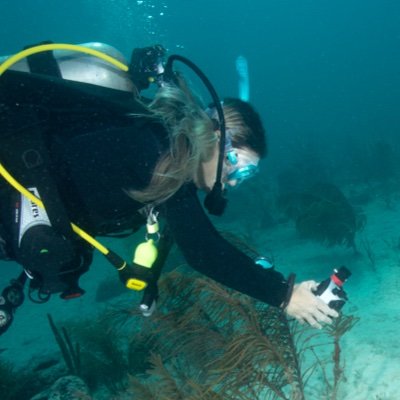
{"type": "Point", "coordinates": [80, 144]}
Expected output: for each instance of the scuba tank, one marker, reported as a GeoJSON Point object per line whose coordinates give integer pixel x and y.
{"type": "Point", "coordinates": [81, 67]}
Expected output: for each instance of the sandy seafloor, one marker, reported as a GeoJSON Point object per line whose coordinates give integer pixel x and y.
{"type": "Point", "coordinates": [370, 350]}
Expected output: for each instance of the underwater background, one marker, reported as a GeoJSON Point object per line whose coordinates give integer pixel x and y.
{"type": "Point", "coordinates": [325, 77]}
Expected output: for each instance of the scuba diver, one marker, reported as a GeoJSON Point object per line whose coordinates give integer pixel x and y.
{"type": "Point", "coordinates": [83, 155]}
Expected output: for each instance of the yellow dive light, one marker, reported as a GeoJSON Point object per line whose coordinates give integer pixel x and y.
{"type": "Point", "coordinates": [146, 253]}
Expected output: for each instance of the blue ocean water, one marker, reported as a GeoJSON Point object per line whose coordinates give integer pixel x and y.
{"type": "Point", "coordinates": [325, 78]}
{"type": "Point", "coordinates": [331, 67]}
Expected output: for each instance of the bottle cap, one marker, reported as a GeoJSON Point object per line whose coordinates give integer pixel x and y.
{"type": "Point", "coordinates": [342, 273]}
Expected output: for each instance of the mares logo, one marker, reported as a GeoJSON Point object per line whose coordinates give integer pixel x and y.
{"type": "Point", "coordinates": [31, 214]}
{"type": "Point", "coordinates": [35, 210]}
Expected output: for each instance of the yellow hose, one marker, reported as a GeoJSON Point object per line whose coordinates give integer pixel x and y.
{"type": "Point", "coordinates": [59, 46]}
{"type": "Point", "coordinates": [13, 182]}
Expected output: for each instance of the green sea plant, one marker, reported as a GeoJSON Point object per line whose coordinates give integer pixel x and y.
{"type": "Point", "coordinates": [323, 213]}
{"type": "Point", "coordinates": [17, 383]}
{"type": "Point", "coordinates": [336, 330]}
{"type": "Point", "coordinates": [209, 342]}
{"type": "Point", "coordinates": [70, 353]}
{"type": "Point", "coordinates": [103, 359]}
{"type": "Point", "coordinates": [102, 355]}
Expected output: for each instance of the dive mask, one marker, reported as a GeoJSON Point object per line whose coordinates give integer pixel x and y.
{"type": "Point", "coordinates": [240, 164]}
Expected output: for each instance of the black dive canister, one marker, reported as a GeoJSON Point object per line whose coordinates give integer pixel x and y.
{"type": "Point", "coordinates": [331, 292]}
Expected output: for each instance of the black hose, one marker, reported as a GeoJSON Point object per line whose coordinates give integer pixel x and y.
{"type": "Point", "coordinates": [215, 201]}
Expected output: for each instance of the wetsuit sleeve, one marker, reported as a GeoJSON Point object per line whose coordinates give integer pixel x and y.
{"type": "Point", "coordinates": [209, 253]}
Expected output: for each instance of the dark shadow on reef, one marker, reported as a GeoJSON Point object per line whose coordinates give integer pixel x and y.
{"type": "Point", "coordinates": [324, 214]}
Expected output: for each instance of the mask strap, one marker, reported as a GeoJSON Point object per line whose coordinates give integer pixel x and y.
{"type": "Point", "coordinates": [230, 152]}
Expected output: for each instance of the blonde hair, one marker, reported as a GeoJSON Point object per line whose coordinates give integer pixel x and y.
{"type": "Point", "coordinates": [192, 139]}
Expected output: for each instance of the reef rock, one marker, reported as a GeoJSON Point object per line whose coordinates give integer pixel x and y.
{"type": "Point", "coordinates": [66, 388]}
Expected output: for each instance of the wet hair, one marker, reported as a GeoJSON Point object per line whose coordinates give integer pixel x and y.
{"type": "Point", "coordinates": [245, 123]}
{"type": "Point", "coordinates": [193, 138]}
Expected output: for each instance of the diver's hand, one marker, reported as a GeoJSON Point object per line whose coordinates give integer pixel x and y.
{"type": "Point", "coordinates": [306, 307]}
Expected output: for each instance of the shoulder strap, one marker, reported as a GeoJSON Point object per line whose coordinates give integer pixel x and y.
{"type": "Point", "coordinates": [54, 93]}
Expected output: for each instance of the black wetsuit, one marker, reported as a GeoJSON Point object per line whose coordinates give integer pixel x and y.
{"type": "Point", "coordinates": [98, 151]}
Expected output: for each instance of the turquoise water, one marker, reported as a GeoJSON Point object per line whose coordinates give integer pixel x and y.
{"type": "Point", "coordinates": [325, 78]}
